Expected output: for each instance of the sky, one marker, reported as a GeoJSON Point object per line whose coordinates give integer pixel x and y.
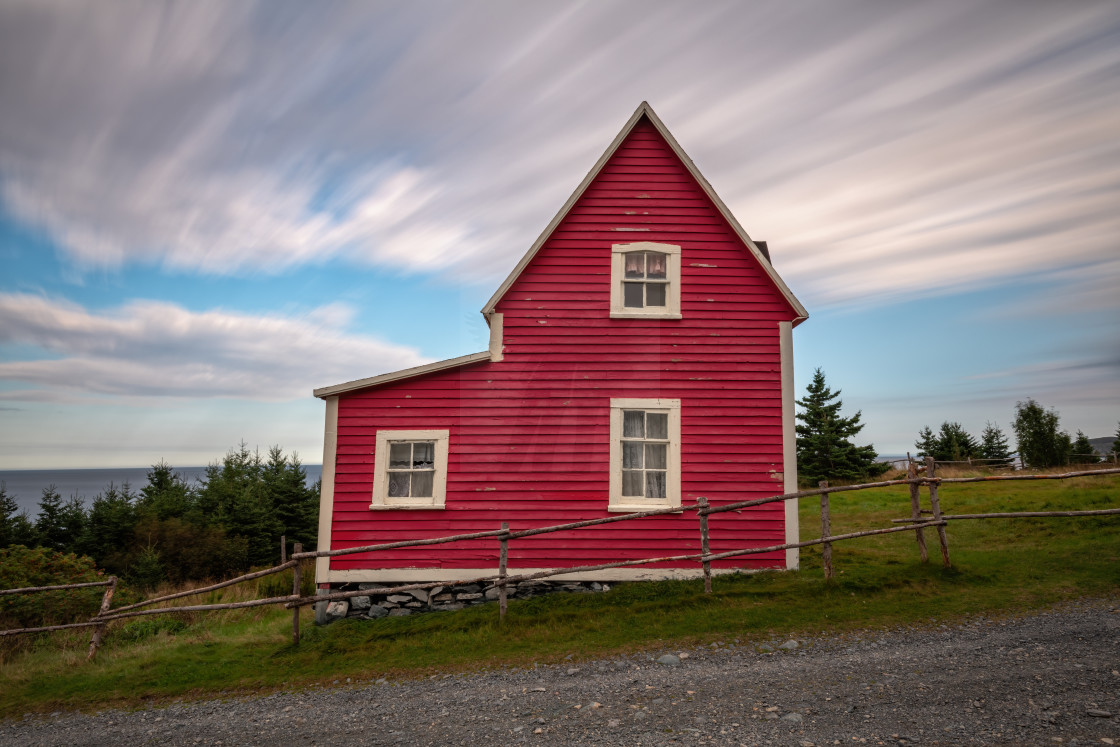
{"type": "Point", "coordinates": [208, 209]}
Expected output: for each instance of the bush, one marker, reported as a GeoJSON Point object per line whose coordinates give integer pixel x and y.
{"type": "Point", "coordinates": [21, 567]}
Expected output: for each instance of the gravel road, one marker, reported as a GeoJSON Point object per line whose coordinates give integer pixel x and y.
{"type": "Point", "coordinates": [1050, 678]}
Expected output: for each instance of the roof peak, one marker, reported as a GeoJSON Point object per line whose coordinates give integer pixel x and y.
{"type": "Point", "coordinates": [645, 110]}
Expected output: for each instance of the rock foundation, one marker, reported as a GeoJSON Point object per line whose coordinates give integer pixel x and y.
{"type": "Point", "coordinates": [379, 602]}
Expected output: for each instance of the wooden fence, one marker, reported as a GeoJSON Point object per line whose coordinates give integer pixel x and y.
{"type": "Point", "coordinates": [916, 523]}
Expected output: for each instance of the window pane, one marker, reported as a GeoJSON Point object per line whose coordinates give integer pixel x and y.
{"type": "Point", "coordinates": [631, 455]}
{"type": "Point", "coordinates": [423, 455]}
{"type": "Point", "coordinates": [635, 265]}
{"type": "Point", "coordinates": [655, 485]}
{"type": "Point", "coordinates": [655, 294]}
{"type": "Point", "coordinates": [633, 424]}
{"type": "Point", "coordinates": [655, 265]}
{"type": "Point", "coordinates": [632, 295]}
{"type": "Point", "coordinates": [631, 483]}
{"type": "Point", "coordinates": [398, 484]}
{"type": "Point", "coordinates": [655, 456]}
{"type": "Point", "coordinates": [400, 456]}
{"type": "Point", "coordinates": [422, 484]}
{"type": "Point", "coordinates": [657, 425]}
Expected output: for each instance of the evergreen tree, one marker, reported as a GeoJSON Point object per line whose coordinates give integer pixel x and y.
{"type": "Point", "coordinates": [167, 495]}
{"type": "Point", "coordinates": [926, 443]}
{"type": "Point", "coordinates": [109, 528]}
{"type": "Point", "coordinates": [1041, 445]}
{"type": "Point", "coordinates": [50, 525]}
{"type": "Point", "coordinates": [952, 443]}
{"type": "Point", "coordinates": [993, 446]}
{"type": "Point", "coordinates": [1082, 452]}
{"type": "Point", "coordinates": [235, 494]}
{"type": "Point", "coordinates": [824, 448]}
{"type": "Point", "coordinates": [15, 528]}
{"type": "Point", "coordinates": [285, 481]}
{"type": "Point", "coordinates": [1116, 443]}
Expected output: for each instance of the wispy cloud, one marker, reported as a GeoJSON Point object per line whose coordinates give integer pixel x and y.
{"type": "Point", "coordinates": [886, 152]}
{"type": "Point", "coordinates": [153, 349]}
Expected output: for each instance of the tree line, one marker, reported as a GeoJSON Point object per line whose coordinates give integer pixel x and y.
{"type": "Point", "coordinates": [175, 531]}
{"type": "Point", "coordinates": [826, 451]}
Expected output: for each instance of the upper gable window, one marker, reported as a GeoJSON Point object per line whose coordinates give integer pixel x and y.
{"type": "Point", "coordinates": [645, 281]}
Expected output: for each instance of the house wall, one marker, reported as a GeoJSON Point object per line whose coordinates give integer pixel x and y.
{"type": "Point", "coordinates": [529, 434]}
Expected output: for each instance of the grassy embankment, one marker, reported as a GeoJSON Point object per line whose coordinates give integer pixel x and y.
{"type": "Point", "coordinates": [999, 566]}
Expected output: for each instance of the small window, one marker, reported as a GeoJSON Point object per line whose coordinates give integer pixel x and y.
{"type": "Point", "coordinates": [410, 469]}
{"type": "Point", "coordinates": [644, 454]}
{"type": "Point", "coordinates": [645, 281]}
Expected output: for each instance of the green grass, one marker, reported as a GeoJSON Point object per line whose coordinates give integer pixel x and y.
{"type": "Point", "coordinates": [999, 566]}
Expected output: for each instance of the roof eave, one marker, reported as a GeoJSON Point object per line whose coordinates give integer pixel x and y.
{"type": "Point", "coordinates": [407, 373]}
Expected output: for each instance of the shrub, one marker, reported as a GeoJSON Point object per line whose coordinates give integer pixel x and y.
{"type": "Point", "coordinates": [21, 567]}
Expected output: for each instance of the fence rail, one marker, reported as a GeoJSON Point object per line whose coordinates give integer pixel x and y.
{"type": "Point", "coordinates": [502, 579]}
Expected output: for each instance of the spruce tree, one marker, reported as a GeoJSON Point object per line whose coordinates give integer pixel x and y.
{"type": "Point", "coordinates": [824, 448]}
{"type": "Point", "coordinates": [926, 443]}
{"type": "Point", "coordinates": [1116, 443]}
{"type": "Point", "coordinates": [1083, 451]}
{"type": "Point", "coordinates": [8, 513]}
{"type": "Point", "coordinates": [993, 446]}
{"type": "Point", "coordinates": [50, 524]}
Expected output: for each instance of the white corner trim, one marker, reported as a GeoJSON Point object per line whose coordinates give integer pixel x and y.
{"type": "Point", "coordinates": [380, 498]}
{"type": "Point", "coordinates": [408, 373]}
{"type": "Point", "coordinates": [789, 442]}
{"type": "Point", "coordinates": [326, 488]}
{"type": "Point", "coordinates": [644, 109]}
{"type": "Point", "coordinates": [616, 503]}
{"type": "Point", "coordinates": [672, 307]}
{"type": "Point", "coordinates": [496, 332]}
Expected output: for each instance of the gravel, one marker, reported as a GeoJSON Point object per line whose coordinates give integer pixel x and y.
{"type": "Point", "coordinates": [1046, 679]}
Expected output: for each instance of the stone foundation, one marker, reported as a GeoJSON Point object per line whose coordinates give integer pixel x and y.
{"type": "Point", "coordinates": [380, 603]}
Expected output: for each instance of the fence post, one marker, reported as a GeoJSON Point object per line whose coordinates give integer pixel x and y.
{"type": "Point", "coordinates": [916, 506]}
{"type": "Point", "coordinates": [931, 468]}
{"type": "Point", "coordinates": [99, 631]}
{"type": "Point", "coordinates": [503, 562]}
{"type": "Point", "coordinates": [826, 531]}
{"type": "Point", "coordinates": [297, 582]}
{"type": "Point", "coordinates": [702, 512]}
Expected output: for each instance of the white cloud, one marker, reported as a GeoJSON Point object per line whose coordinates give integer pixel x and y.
{"type": "Point", "coordinates": [153, 349]}
{"type": "Point", "coordinates": [884, 153]}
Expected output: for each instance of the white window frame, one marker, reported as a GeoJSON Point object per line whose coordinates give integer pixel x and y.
{"type": "Point", "coordinates": [616, 502]}
{"type": "Point", "coordinates": [381, 499]}
{"type": "Point", "coordinates": [672, 307]}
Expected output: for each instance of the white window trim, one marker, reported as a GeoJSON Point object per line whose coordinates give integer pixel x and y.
{"type": "Point", "coordinates": [616, 502]}
{"type": "Point", "coordinates": [381, 499]}
{"type": "Point", "coordinates": [672, 308]}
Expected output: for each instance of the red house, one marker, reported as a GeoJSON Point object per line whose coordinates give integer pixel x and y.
{"type": "Point", "coordinates": [640, 357]}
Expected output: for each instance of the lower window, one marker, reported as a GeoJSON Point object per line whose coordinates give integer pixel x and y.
{"type": "Point", "coordinates": [410, 469]}
{"type": "Point", "coordinates": [645, 454]}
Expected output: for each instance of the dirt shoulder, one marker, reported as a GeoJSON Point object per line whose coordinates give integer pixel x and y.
{"type": "Point", "coordinates": [1048, 678]}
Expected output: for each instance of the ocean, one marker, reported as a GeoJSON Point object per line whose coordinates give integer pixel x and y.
{"type": "Point", "coordinates": [26, 485]}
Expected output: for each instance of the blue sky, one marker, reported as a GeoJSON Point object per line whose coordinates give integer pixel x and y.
{"type": "Point", "coordinates": [207, 209]}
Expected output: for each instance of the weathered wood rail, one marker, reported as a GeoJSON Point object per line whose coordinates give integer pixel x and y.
{"type": "Point", "coordinates": [502, 578]}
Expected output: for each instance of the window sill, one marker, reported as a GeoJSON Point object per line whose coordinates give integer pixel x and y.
{"type": "Point", "coordinates": [406, 507]}
{"type": "Point", "coordinates": [639, 315]}
{"type": "Point", "coordinates": [633, 508]}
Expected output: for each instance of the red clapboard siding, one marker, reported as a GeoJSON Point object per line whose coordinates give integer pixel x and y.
{"type": "Point", "coordinates": [530, 434]}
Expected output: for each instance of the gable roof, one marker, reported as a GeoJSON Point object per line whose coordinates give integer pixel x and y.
{"type": "Point", "coordinates": [644, 110]}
